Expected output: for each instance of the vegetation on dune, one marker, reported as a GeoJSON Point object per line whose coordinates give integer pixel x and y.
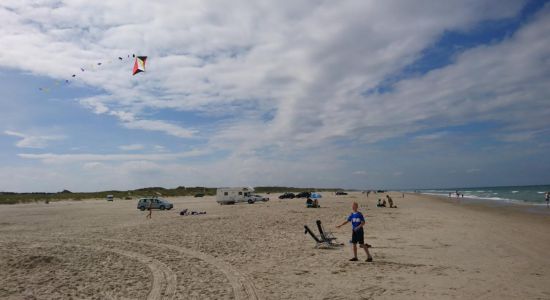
{"type": "Point", "coordinates": [283, 189]}
{"type": "Point", "coordinates": [13, 198]}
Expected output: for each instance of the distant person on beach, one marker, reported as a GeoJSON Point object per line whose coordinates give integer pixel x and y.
{"type": "Point", "coordinates": [449, 194]}
{"type": "Point", "coordinates": [150, 208]}
{"type": "Point", "coordinates": [358, 235]}
{"type": "Point", "coordinates": [547, 198]}
{"type": "Point", "coordinates": [390, 202]}
{"type": "Point", "coordinates": [379, 204]}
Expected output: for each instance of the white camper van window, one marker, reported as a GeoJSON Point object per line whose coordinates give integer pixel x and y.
{"type": "Point", "coordinates": [240, 193]}
{"type": "Point", "coordinates": [225, 193]}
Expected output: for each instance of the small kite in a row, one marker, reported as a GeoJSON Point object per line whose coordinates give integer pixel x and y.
{"type": "Point", "coordinates": [139, 66]}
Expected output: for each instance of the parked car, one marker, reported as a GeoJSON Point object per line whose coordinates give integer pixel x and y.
{"type": "Point", "coordinates": [199, 195]}
{"type": "Point", "coordinates": [341, 193]}
{"type": "Point", "coordinates": [157, 203]}
{"type": "Point", "coordinates": [303, 195]}
{"type": "Point", "coordinates": [256, 198]}
{"type": "Point", "coordinates": [287, 196]}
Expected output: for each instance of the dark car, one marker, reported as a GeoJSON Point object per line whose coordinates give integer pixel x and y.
{"type": "Point", "coordinates": [341, 193]}
{"type": "Point", "coordinates": [199, 195]}
{"type": "Point", "coordinates": [287, 196]}
{"type": "Point", "coordinates": [303, 195]}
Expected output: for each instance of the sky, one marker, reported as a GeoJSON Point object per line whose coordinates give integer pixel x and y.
{"type": "Point", "coordinates": [352, 94]}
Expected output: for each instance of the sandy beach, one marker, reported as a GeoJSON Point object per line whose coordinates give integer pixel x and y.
{"type": "Point", "coordinates": [427, 248]}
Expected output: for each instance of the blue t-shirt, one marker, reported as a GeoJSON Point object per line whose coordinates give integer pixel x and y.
{"type": "Point", "coordinates": [356, 218]}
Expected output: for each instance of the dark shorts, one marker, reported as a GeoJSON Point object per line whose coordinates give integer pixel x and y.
{"type": "Point", "coordinates": [358, 236]}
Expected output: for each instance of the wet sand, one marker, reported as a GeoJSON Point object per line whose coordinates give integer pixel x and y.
{"type": "Point", "coordinates": [427, 248]}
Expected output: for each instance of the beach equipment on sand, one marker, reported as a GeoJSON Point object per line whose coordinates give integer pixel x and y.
{"type": "Point", "coordinates": [327, 240]}
{"type": "Point", "coordinates": [315, 238]}
{"type": "Point", "coordinates": [316, 196]}
{"type": "Point", "coordinates": [325, 235]}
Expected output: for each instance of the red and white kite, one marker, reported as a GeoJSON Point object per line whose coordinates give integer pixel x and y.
{"type": "Point", "coordinates": [139, 64]}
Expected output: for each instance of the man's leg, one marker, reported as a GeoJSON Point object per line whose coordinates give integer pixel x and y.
{"type": "Point", "coordinates": [354, 247]}
{"type": "Point", "coordinates": [362, 242]}
{"type": "Point", "coordinates": [366, 250]}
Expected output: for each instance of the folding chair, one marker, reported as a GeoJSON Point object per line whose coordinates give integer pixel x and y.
{"type": "Point", "coordinates": [325, 235]}
{"type": "Point", "coordinates": [321, 243]}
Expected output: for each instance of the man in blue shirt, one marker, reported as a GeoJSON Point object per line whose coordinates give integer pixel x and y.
{"type": "Point", "coordinates": [358, 236]}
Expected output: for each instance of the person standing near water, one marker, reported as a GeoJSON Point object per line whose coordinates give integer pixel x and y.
{"type": "Point", "coordinates": [547, 198]}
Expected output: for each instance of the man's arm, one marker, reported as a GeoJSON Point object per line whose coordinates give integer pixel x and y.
{"type": "Point", "coordinates": [338, 226]}
{"type": "Point", "coordinates": [360, 226]}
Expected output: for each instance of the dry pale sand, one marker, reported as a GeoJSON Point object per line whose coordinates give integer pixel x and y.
{"type": "Point", "coordinates": [427, 248]}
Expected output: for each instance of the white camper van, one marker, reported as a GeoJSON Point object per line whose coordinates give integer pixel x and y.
{"type": "Point", "coordinates": [234, 195]}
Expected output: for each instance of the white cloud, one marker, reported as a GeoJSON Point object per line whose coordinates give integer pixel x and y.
{"type": "Point", "coordinates": [33, 141]}
{"type": "Point", "coordinates": [432, 136]}
{"type": "Point", "coordinates": [159, 148]}
{"type": "Point", "coordinates": [131, 147]}
{"type": "Point", "coordinates": [129, 120]}
{"type": "Point", "coordinates": [304, 65]}
{"type": "Point", "coordinates": [92, 165]}
{"type": "Point", "coordinates": [162, 126]}
{"type": "Point", "coordinates": [71, 158]}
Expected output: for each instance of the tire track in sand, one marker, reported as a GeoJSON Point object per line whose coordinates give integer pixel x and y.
{"type": "Point", "coordinates": [242, 287]}
{"type": "Point", "coordinates": [162, 275]}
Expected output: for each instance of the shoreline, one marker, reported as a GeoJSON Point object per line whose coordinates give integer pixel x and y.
{"type": "Point", "coordinates": [527, 206]}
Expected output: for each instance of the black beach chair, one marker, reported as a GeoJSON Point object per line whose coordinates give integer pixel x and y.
{"type": "Point", "coordinates": [320, 243]}
{"type": "Point", "coordinates": [325, 235]}
{"type": "Point", "coordinates": [307, 230]}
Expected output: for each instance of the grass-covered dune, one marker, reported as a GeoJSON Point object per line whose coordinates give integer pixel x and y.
{"type": "Point", "coordinates": [13, 198]}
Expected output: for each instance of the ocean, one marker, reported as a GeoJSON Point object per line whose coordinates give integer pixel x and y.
{"type": "Point", "coordinates": [532, 194]}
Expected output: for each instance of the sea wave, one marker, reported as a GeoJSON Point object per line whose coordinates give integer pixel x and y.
{"type": "Point", "coordinates": [475, 197]}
